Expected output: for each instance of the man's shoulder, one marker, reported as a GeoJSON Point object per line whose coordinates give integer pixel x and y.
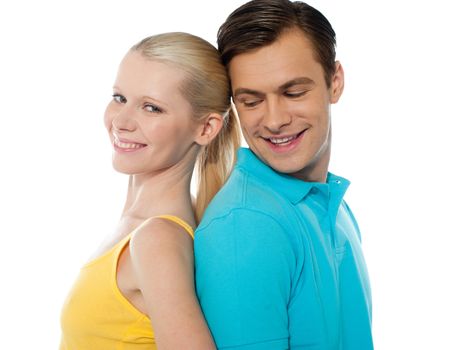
{"type": "Point", "coordinates": [247, 212]}
{"type": "Point", "coordinates": [243, 192]}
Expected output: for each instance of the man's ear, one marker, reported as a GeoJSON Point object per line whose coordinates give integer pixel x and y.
{"type": "Point", "coordinates": [337, 83]}
{"type": "Point", "coordinates": [209, 129]}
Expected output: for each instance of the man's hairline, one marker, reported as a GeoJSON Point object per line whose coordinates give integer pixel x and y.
{"type": "Point", "coordinates": [284, 31]}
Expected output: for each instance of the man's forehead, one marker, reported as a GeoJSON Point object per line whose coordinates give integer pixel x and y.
{"type": "Point", "coordinates": [274, 65]}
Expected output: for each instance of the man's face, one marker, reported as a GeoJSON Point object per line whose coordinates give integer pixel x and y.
{"type": "Point", "coordinates": [284, 105]}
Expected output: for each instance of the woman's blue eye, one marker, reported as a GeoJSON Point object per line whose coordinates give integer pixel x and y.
{"type": "Point", "coordinates": [152, 108]}
{"type": "Point", "coordinates": [119, 98]}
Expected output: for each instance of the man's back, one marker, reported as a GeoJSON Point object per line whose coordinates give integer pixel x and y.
{"type": "Point", "coordinates": [279, 264]}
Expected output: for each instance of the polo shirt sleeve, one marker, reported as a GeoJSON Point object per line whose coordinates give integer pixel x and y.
{"type": "Point", "coordinates": [244, 267]}
{"type": "Point", "coordinates": [353, 220]}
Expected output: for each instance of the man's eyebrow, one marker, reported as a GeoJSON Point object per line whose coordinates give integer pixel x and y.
{"type": "Point", "coordinates": [285, 86]}
{"type": "Point", "coordinates": [297, 81]}
{"type": "Point", "coordinates": [241, 91]}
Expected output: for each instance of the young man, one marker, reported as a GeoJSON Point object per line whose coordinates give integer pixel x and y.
{"type": "Point", "coordinates": [278, 255]}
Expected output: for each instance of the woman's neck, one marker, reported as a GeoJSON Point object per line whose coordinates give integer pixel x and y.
{"type": "Point", "coordinates": [166, 192]}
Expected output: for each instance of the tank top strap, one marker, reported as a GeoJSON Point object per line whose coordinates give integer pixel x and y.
{"type": "Point", "coordinates": [180, 222]}
{"type": "Point", "coordinates": [172, 218]}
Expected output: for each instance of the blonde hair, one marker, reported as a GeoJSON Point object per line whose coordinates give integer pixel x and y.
{"type": "Point", "coordinates": [207, 89]}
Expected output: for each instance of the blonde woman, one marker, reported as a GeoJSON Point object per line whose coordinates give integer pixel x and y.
{"type": "Point", "coordinates": [170, 110]}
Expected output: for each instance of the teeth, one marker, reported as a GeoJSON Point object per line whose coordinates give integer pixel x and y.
{"type": "Point", "coordinates": [127, 145]}
{"type": "Point", "coordinates": [283, 140]}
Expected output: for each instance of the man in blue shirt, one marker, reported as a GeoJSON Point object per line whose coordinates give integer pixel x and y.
{"type": "Point", "coordinates": [278, 253]}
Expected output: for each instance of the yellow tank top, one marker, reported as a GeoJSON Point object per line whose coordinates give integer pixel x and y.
{"type": "Point", "coordinates": [96, 315]}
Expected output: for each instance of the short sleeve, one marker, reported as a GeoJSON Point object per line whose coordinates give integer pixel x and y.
{"type": "Point", "coordinates": [244, 267]}
{"type": "Point", "coordinates": [353, 220]}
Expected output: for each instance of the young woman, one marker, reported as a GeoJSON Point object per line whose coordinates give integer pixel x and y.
{"type": "Point", "coordinates": [170, 110]}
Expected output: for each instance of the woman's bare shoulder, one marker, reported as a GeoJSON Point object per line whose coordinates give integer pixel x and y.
{"type": "Point", "coordinates": [160, 235]}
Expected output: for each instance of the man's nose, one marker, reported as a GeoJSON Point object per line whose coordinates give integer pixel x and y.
{"type": "Point", "coordinates": [276, 116]}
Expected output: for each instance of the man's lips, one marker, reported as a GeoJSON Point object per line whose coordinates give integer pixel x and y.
{"type": "Point", "coordinates": [284, 143]}
{"type": "Point", "coordinates": [283, 139]}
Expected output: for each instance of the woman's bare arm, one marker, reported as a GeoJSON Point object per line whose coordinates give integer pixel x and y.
{"type": "Point", "coordinates": [163, 264]}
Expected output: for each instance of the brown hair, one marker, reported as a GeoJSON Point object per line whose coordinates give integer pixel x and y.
{"type": "Point", "coordinates": [259, 23]}
{"type": "Point", "coordinates": [207, 89]}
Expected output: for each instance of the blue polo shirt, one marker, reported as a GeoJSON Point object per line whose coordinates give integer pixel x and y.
{"type": "Point", "coordinates": [279, 264]}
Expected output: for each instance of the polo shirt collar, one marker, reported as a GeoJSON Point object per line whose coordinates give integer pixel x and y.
{"type": "Point", "coordinates": [292, 188]}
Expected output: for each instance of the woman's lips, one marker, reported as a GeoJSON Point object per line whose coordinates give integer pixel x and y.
{"type": "Point", "coordinates": [122, 145]}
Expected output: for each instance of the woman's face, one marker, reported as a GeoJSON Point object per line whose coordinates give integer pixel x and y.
{"type": "Point", "coordinates": [149, 122]}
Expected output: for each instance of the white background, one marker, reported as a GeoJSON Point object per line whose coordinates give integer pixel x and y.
{"type": "Point", "coordinates": [393, 138]}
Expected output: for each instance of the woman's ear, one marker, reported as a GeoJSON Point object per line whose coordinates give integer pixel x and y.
{"type": "Point", "coordinates": [209, 129]}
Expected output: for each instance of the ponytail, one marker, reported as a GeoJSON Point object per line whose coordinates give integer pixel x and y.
{"type": "Point", "coordinates": [216, 162]}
